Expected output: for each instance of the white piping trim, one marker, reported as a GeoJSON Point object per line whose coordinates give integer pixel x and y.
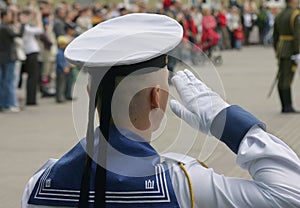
{"type": "Point", "coordinates": [160, 180]}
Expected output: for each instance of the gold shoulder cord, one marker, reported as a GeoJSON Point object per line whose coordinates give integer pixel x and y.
{"type": "Point", "coordinates": [202, 163]}
{"type": "Point", "coordinates": [190, 181]}
{"type": "Point", "coordinates": [190, 184]}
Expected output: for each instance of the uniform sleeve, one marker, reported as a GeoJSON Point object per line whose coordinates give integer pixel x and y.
{"type": "Point", "coordinates": [297, 34]}
{"type": "Point", "coordinates": [275, 171]}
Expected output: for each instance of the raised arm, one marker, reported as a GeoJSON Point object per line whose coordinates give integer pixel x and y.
{"type": "Point", "coordinates": [274, 167]}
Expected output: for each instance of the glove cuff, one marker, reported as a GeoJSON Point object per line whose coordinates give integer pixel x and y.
{"type": "Point", "coordinates": [232, 124]}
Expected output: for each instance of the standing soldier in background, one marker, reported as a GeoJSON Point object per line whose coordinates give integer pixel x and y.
{"type": "Point", "coordinates": [286, 37]}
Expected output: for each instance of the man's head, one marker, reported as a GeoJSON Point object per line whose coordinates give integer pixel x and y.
{"type": "Point", "coordinates": [126, 57]}
{"type": "Point", "coordinates": [63, 41]}
{"type": "Point", "coordinates": [60, 12]}
{"type": "Point", "coordinates": [147, 107]}
{"type": "Point", "coordinates": [71, 29]}
{"type": "Point", "coordinates": [25, 16]}
{"type": "Point", "coordinates": [139, 100]}
{"type": "Point", "coordinates": [6, 16]}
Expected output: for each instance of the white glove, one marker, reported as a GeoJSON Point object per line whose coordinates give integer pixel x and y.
{"type": "Point", "coordinates": [200, 103]}
{"type": "Point", "coordinates": [296, 58]}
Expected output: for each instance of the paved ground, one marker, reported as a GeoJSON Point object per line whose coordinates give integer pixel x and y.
{"type": "Point", "coordinates": [29, 138]}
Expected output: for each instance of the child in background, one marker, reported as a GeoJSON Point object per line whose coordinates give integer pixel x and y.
{"type": "Point", "coordinates": [239, 37]}
{"type": "Point", "coordinates": [62, 68]}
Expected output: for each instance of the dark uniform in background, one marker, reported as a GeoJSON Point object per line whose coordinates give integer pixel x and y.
{"type": "Point", "coordinates": [286, 43]}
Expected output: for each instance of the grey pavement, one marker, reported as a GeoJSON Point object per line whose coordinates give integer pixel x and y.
{"type": "Point", "coordinates": [29, 138]}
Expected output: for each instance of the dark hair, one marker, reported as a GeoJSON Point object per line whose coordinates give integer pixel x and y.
{"type": "Point", "coordinates": [3, 13]}
{"type": "Point", "coordinates": [26, 12]}
{"type": "Point", "coordinates": [70, 26]}
{"type": "Point", "coordinates": [122, 9]}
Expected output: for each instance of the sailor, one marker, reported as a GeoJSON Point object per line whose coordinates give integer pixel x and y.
{"type": "Point", "coordinates": [116, 166]}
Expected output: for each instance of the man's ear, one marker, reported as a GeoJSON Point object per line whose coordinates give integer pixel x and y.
{"type": "Point", "coordinates": [155, 97]}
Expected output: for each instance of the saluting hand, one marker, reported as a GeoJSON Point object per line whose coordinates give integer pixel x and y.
{"type": "Point", "coordinates": [200, 103]}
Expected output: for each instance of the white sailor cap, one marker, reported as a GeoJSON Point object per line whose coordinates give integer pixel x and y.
{"type": "Point", "coordinates": [125, 40]}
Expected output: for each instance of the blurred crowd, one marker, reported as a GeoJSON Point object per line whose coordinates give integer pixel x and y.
{"type": "Point", "coordinates": [33, 38]}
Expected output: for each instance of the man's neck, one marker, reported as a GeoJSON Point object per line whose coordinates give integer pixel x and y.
{"type": "Point", "coordinates": [145, 134]}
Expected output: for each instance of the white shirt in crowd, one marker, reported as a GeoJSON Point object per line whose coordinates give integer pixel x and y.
{"type": "Point", "coordinates": [30, 42]}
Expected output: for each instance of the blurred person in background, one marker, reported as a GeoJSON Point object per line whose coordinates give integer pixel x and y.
{"type": "Point", "coordinates": [222, 24]}
{"type": "Point", "coordinates": [209, 36]}
{"type": "Point", "coordinates": [114, 11]}
{"type": "Point", "coordinates": [73, 13]}
{"type": "Point", "coordinates": [190, 34]}
{"type": "Point", "coordinates": [197, 17]}
{"type": "Point", "coordinates": [167, 4]}
{"type": "Point", "coordinates": [141, 7]}
{"type": "Point", "coordinates": [175, 11]}
{"type": "Point", "coordinates": [268, 40]}
{"type": "Point", "coordinates": [216, 5]}
{"type": "Point", "coordinates": [48, 52]}
{"type": "Point", "coordinates": [234, 19]}
{"type": "Point", "coordinates": [71, 18]}
{"type": "Point", "coordinates": [262, 22]}
{"type": "Point", "coordinates": [59, 26]}
{"type": "Point", "coordinates": [62, 68]}
{"type": "Point", "coordinates": [239, 37]}
{"type": "Point", "coordinates": [97, 16]}
{"type": "Point", "coordinates": [8, 57]}
{"type": "Point", "coordinates": [249, 20]}
{"type": "Point", "coordinates": [123, 11]}
{"type": "Point", "coordinates": [32, 19]}
{"type": "Point", "coordinates": [21, 56]}
{"type": "Point", "coordinates": [84, 20]}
